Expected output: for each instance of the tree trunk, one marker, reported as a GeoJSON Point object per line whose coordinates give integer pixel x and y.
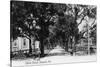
{"type": "Point", "coordinates": [66, 45]}
{"type": "Point", "coordinates": [30, 46]}
{"type": "Point", "coordinates": [73, 45]}
{"type": "Point", "coordinates": [34, 44]}
{"type": "Point", "coordinates": [42, 48]}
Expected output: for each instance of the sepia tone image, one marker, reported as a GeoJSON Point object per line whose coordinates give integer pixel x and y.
{"type": "Point", "coordinates": [52, 33]}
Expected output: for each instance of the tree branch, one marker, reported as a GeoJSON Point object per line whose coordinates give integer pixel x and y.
{"type": "Point", "coordinates": [81, 20]}
{"type": "Point", "coordinates": [93, 22]}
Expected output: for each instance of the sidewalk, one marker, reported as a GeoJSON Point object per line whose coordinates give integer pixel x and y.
{"type": "Point", "coordinates": [55, 59]}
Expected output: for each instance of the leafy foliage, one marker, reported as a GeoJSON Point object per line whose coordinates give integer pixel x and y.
{"type": "Point", "coordinates": [48, 20]}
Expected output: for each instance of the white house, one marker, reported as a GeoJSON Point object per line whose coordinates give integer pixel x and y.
{"type": "Point", "coordinates": [22, 43]}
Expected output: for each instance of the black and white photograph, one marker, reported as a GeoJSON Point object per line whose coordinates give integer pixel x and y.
{"type": "Point", "coordinates": [43, 33]}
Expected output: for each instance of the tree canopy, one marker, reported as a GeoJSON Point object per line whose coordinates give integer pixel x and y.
{"type": "Point", "coordinates": [46, 20]}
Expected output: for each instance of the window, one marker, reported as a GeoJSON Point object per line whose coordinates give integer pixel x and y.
{"type": "Point", "coordinates": [24, 42]}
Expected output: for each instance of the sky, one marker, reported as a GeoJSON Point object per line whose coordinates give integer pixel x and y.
{"type": "Point", "coordinates": [89, 21]}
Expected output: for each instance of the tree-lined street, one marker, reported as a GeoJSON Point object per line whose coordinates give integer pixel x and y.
{"type": "Point", "coordinates": [60, 29]}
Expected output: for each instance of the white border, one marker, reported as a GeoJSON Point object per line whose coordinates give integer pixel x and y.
{"type": "Point", "coordinates": [5, 31]}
